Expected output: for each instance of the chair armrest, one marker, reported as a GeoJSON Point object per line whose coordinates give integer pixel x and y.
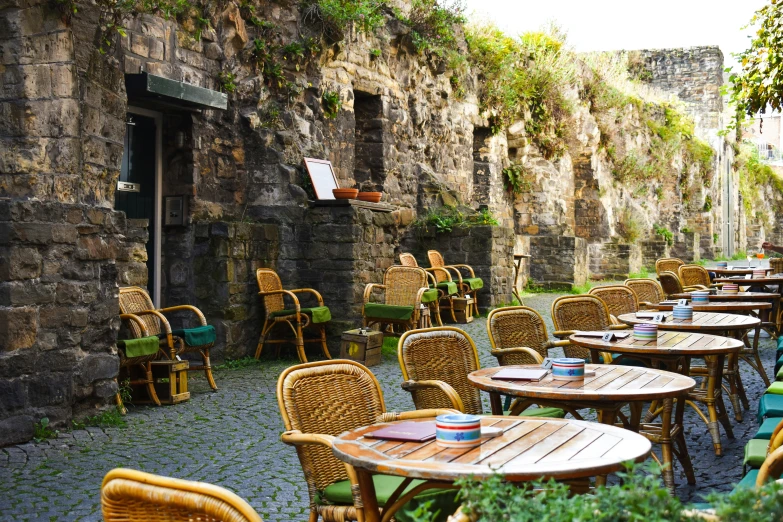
{"type": "Point", "coordinates": [435, 269]}
{"type": "Point", "coordinates": [309, 291]}
{"type": "Point", "coordinates": [561, 334]}
{"type": "Point", "coordinates": [419, 296]}
{"type": "Point", "coordinates": [613, 319]}
{"type": "Point", "coordinates": [466, 267]}
{"type": "Point", "coordinates": [450, 392]}
{"type": "Point", "coordinates": [619, 326]}
{"type": "Point", "coordinates": [369, 288]}
{"type": "Point", "coordinates": [431, 279]}
{"type": "Point", "coordinates": [691, 288]}
{"type": "Point", "coordinates": [456, 272]}
{"type": "Point", "coordinates": [555, 344]}
{"type": "Point", "coordinates": [499, 352]}
{"type": "Point", "coordinates": [189, 308]}
{"type": "Point", "coordinates": [163, 321]}
{"type": "Point", "coordinates": [138, 321]}
{"type": "Point", "coordinates": [391, 416]}
{"type": "Point", "coordinates": [297, 438]}
{"type": "Point", "coordinates": [284, 292]}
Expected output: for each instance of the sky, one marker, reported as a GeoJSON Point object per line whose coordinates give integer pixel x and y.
{"type": "Point", "coordinates": [606, 25]}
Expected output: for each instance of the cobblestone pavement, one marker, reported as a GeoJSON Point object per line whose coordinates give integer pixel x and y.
{"type": "Point", "coordinates": [231, 438]}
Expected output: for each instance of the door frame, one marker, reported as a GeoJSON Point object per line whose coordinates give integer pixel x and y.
{"type": "Point", "coordinates": [156, 224]}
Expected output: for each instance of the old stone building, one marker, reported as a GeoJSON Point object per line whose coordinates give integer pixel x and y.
{"type": "Point", "coordinates": [129, 164]}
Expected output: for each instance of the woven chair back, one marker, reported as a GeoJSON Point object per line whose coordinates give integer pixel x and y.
{"type": "Point", "coordinates": [327, 397]}
{"type": "Point", "coordinates": [646, 290]}
{"type": "Point", "coordinates": [403, 284]}
{"type": "Point", "coordinates": [776, 264]}
{"type": "Point", "coordinates": [668, 264]}
{"type": "Point", "coordinates": [436, 261]}
{"type": "Point", "coordinates": [408, 260]}
{"type": "Point", "coordinates": [579, 312]}
{"type": "Point", "coordinates": [619, 299]}
{"type": "Point", "coordinates": [443, 354]}
{"type": "Point", "coordinates": [693, 275]}
{"type": "Point", "coordinates": [128, 495]}
{"type": "Point", "coordinates": [134, 299]}
{"type": "Point", "coordinates": [670, 282]}
{"type": "Point", "coordinates": [772, 467]}
{"type": "Point", "coordinates": [268, 281]}
{"type": "Point", "coordinates": [516, 326]}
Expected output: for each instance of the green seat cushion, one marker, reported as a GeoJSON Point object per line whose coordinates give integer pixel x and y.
{"type": "Point", "coordinates": [775, 388]}
{"type": "Point", "coordinates": [749, 480]}
{"type": "Point", "coordinates": [429, 295]}
{"type": "Point", "coordinates": [318, 314]}
{"type": "Point", "coordinates": [755, 453]}
{"type": "Point", "coordinates": [779, 374]}
{"type": "Point", "coordinates": [385, 485]}
{"type": "Point", "coordinates": [475, 283]}
{"type": "Point", "coordinates": [780, 344]}
{"type": "Point", "coordinates": [770, 405]}
{"type": "Point", "coordinates": [779, 364]}
{"type": "Point", "coordinates": [448, 287]}
{"type": "Point", "coordinates": [382, 311]}
{"type": "Point", "coordinates": [544, 412]}
{"type": "Point", "coordinates": [199, 336]}
{"type": "Point", "coordinates": [140, 347]}
{"type": "Point", "coordinates": [767, 427]}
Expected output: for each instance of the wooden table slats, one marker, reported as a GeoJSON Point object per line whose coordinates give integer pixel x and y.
{"type": "Point", "coordinates": [719, 306]}
{"type": "Point", "coordinates": [702, 321]}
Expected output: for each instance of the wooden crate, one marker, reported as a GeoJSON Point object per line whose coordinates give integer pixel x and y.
{"type": "Point", "coordinates": [363, 348]}
{"type": "Point", "coordinates": [463, 309]}
{"type": "Point", "coordinates": [170, 381]}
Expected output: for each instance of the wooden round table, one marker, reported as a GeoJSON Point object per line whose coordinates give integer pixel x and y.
{"type": "Point", "coordinates": [719, 306]}
{"type": "Point", "coordinates": [531, 448]}
{"type": "Point", "coordinates": [735, 271]}
{"type": "Point", "coordinates": [609, 390]}
{"type": "Point", "coordinates": [772, 316]}
{"type": "Point", "coordinates": [673, 351]}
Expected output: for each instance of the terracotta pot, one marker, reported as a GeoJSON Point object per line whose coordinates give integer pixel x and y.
{"type": "Point", "coordinates": [345, 193]}
{"type": "Point", "coordinates": [372, 197]}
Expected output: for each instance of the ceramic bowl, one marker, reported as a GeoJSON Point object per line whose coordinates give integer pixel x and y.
{"type": "Point", "coordinates": [723, 264]}
{"type": "Point", "coordinates": [568, 369]}
{"type": "Point", "coordinates": [759, 274]}
{"type": "Point", "coordinates": [372, 197]}
{"type": "Point", "coordinates": [700, 297]}
{"type": "Point", "coordinates": [730, 288]}
{"type": "Point", "coordinates": [457, 430]}
{"type": "Point", "coordinates": [645, 332]}
{"type": "Point", "coordinates": [684, 313]}
{"type": "Point", "coordinates": [345, 193]}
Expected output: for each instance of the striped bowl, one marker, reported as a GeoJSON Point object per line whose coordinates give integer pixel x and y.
{"type": "Point", "coordinates": [682, 312]}
{"type": "Point", "coordinates": [700, 297]}
{"type": "Point", "coordinates": [568, 369]}
{"type": "Point", "coordinates": [457, 430]}
{"type": "Point", "coordinates": [645, 332]}
{"type": "Point", "coordinates": [723, 264]}
{"type": "Point", "coordinates": [759, 274]}
{"type": "Point", "coordinates": [730, 288]}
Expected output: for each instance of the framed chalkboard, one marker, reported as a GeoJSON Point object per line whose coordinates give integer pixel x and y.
{"type": "Point", "coordinates": [322, 177]}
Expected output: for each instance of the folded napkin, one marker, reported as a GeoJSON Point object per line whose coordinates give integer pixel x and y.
{"type": "Point", "coordinates": [140, 347]}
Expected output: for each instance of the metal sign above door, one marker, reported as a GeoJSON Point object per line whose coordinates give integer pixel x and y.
{"type": "Point", "coordinates": [124, 186]}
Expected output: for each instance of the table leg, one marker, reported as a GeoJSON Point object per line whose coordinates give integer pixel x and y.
{"type": "Point", "coordinates": [679, 447]}
{"type": "Point", "coordinates": [496, 403]}
{"type": "Point", "coordinates": [369, 498]}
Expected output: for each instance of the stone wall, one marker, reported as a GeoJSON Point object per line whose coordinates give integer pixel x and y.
{"type": "Point", "coordinates": [558, 262]}
{"type": "Point", "coordinates": [614, 260]}
{"type": "Point", "coordinates": [653, 250]}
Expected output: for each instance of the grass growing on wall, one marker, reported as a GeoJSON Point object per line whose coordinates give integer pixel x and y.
{"type": "Point", "coordinates": [754, 177]}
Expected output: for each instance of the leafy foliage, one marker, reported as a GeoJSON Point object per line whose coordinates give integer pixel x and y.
{"type": "Point", "coordinates": [331, 103]}
{"type": "Point", "coordinates": [515, 179]}
{"type": "Point", "coordinates": [664, 232]}
{"type": "Point", "coordinates": [331, 18]}
{"type": "Point", "coordinates": [445, 219]}
{"type": "Point", "coordinates": [432, 24]}
{"type": "Point", "coordinates": [42, 431]}
{"type": "Point", "coordinates": [628, 226]}
{"type": "Point", "coordinates": [754, 178]}
{"type": "Point", "coordinates": [227, 81]}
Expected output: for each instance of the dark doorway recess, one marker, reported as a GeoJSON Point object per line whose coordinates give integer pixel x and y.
{"type": "Point", "coordinates": [369, 167]}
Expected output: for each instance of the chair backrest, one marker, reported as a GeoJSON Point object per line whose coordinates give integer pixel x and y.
{"type": "Point", "coordinates": [670, 282]}
{"type": "Point", "coordinates": [668, 264]}
{"type": "Point", "coordinates": [127, 494]}
{"type": "Point", "coordinates": [134, 299]}
{"type": "Point", "coordinates": [646, 290]}
{"type": "Point", "coordinates": [443, 354]}
{"type": "Point", "coordinates": [772, 467]}
{"type": "Point", "coordinates": [403, 284]}
{"type": "Point", "coordinates": [579, 312]}
{"type": "Point", "coordinates": [436, 261]}
{"type": "Point", "coordinates": [408, 260]}
{"type": "Point", "coordinates": [268, 281]}
{"type": "Point", "coordinates": [516, 326]}
{"type": "Point", "coordinates": [619, 299]}
{"type": "Point", "coordinates": [693, 275]}
{"type": "Point", "coordinates": [327, 397]}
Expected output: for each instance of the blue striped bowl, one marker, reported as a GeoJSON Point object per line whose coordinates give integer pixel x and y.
{"type": "Point", "coordinates": [682, 312]}
{"type": "Point", "coordinates": [457, 430]}
{"type": "Point", "coordinates": [700, 297]}
{"type": "Point", "coordinates": [568, 369]}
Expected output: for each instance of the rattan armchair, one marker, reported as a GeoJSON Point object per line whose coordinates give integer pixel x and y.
{"type": "Point", "coordinates": [403, 288]}
{"type": "Point", "coordinates": [668, 264]}
{"type": "Point", "coordinates": [571, 313]}
{"type": "Point", "coordinates": [515, 332]}
{"type": "Point", "coordinates": [695, 275]}
{"type": "Point", "coordinates": [468, 286]}
{"type": "Point", "coordinates": [142, 363]}
{"type": "Point", "coordinates": [128, 495]}
{"type": "Point", "coordinates": [648, 291]}
{"type": "Point", "coordinates": [435, 364]}
{"type": "Point", "coordinates": [296, 318]}
{"type": "Point", "coordinates": [619, 300]}
{"type": "Point", "coordinates": [671, 284]}
{"type": "Point", "coordinates": [445, 287]}
{"type": "Point", "coordinates": [135, 300]}
{"type": "Point", "coordinates": [319, 401]}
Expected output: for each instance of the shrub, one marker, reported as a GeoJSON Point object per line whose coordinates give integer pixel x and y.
{"type": "Point", "coordinates": [445, 219]}
{"type": "Point", "coordinates": [331, 103]}
{"type": "Point", "coordinates": [433, 23]}
{"type": "Point", "coordinates": [628, 227]}
{"type": "Point", "coordinates": [665, 233]}
{"type": "Point", "coordinates": [514, 179]}
{"type": "Point", "coordinates": [331, 18]}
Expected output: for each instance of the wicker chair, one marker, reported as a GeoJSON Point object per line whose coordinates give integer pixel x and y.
{"type": "Point", "coordinates": [403, 288]}
{"type": "Point", "coordinates": [648, 291]}
{"type": "Point", "coordinates": [668, 264]}
{"type": "Point", "coordinates": [581, 312]}
{"type": "Point", "coordinates": [319, 401]}
{"type": "Point", "coordinates": [135, 300]}
{"type": "Point", "coordinates": [297, 319]}
{"type": "Point", "coordinates": [128, 495]}
{"type": "Point", "coordinates": [671, 284]}
{"type": "Point", "coordinates": [467, 285]}
{"type": "Point", "coordinates": [445, 287]}
{"type": "Point", "coordinates": [516, 327]}
{"type": "Point", "coordinates": [695, 275]}
{"type": "Point", "coordinates": [435, 364]}
{"type": "Point", "coordinates": [619, 299]}
{"type": "Point", "coordinates": [142, 363]}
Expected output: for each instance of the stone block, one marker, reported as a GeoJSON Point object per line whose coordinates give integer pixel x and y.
{"type": "Point", "coordinates": [12, 396]}
{"type": "Point", "coordinates": [20, 263]}
{"type": "Point", "coordinates": [18, 293]}
{"type": "Point", "coordinates": [17, 429]}
{"type": "Point", "coordinates": [98, 366]}
{"type": "Point", "coordinates": [49, 389]}
{"type": "Point", "coordinates": [18, 328]}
